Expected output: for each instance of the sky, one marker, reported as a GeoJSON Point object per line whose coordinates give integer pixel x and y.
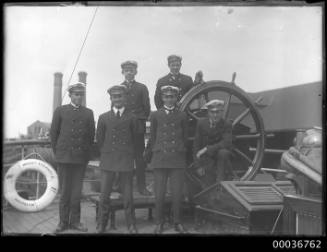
{"type": "Point", "coordinates": [268, 47]}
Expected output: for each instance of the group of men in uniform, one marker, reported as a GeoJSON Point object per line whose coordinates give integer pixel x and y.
{"type": "Point", "coordinates": [120, 138]}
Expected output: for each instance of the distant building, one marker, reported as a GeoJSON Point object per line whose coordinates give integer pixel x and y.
{"type": "Point", "coordinates": [38, 130]}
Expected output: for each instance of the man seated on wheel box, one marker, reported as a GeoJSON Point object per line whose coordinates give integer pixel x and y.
{"type": "Point", "coordinates": [212, 144]}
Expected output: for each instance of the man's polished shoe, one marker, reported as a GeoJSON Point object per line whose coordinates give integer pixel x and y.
{"type": "Point", "coordinates": [61, 227]}
{"type": "Point", "coordinates": [180, 228]}
{"type": "Point", "coordinates": [158, 229]}
{"type": "Point", "coordinates": [79, 227]}
{"type": "Point", "coordinates": [100, 229]}
{"type": "Point", "coordinates": [145, 192]}
{"type": "Point", "coordinates": [132, 229]}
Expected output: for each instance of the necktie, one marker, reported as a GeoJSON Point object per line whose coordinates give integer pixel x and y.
{"type": "Point", "coordinates": [212, 124]}
{"type": "Point", "coordinates": [118, 114]}
{"type": "Point", "coordinates": [169, 111]}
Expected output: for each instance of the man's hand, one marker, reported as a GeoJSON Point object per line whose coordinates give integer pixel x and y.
{"type": "Point", "coordinates": [198, 79]}
{"type": "Point", "coordinates": [200, 152]}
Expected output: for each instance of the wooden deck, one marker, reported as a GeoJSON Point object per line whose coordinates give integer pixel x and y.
{"type": "Point", "coordinates": [45, 222]}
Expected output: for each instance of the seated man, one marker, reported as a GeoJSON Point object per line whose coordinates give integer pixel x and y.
{"type": "Point", "coordinates": [212, 145]}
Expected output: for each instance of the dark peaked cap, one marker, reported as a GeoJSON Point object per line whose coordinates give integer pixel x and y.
{"type": "Point", "coordinates": [117, 89]}
{"type": "Point", "coordinates": [169, 90]}
{"type": "Point", "coordinates": [172, 58]}
{"type": "Point", "coordinates": [79, 86]}
{"type": "Point", "coordinates": [129, 63]}
{"type": "Point", "coordinates": [214, 105]}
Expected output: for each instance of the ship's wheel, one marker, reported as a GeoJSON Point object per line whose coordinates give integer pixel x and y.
{"type": "Point", "coordinates": [248, 127]}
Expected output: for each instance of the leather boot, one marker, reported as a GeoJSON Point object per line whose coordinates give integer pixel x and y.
{"type": "Point", "coordinates": [102, 224]}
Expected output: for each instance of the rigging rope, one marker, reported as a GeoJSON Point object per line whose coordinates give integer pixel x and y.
{"type": "Point", "coordinates": [80, 52]}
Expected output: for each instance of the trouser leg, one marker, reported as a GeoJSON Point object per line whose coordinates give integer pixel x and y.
{"type": "Point", "coordinates": [126, 180]}
{"type": "Point", "coordinates": [65, 178]}
{"type": "Point", "coordinates": [210, 178]}
{"type": "Point", "coordinates": [176, 177]}
{"type": "Point", "coordinates": [160, 183]}
{"type": "Point", "coordinates": [78, 173]}
{"type": "Point", "coordinates": [139, 161]}
{"type": "Point", "coordinates": [224, 164]}
{"type": "Point", "coordinates": [107, 179]}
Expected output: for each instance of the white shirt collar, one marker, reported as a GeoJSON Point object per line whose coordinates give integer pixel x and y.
{"type": "Point", "coordinates": [171, 108]}
{"type": "Point", "coordinates": [75, 106]}
{"type": "Point", "coordinates": [129, 83]}
{"type": "Point", "coordinates": [174, 75]}
{"type": "Point", "coordinates": [121, 110]}
{"type": "Point", "coordinates": [168, 109]}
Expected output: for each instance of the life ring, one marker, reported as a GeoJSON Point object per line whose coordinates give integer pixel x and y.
{"type": "Point", "coordinates": [16, 170]}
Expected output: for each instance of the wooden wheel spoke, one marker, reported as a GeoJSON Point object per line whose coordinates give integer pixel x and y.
{"type": "Point", "coordinates": [245, 113]}
{"type": "Point", "coordinates": [241, 117]}
{"type": "Point", "coordinates": [241, 137]}
{"type": "Point", "coordinates": [192, 115]}
{"type": "Point", "coordinates": [243, 155]}
{"type": "Point", "coordinates": [206, 97]}
{"type": "Point", "coordinates": [226, 111]}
